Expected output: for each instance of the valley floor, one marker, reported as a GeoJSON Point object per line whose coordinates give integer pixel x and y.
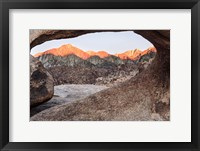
{"type": "Point", "coordinates": [68, 93]}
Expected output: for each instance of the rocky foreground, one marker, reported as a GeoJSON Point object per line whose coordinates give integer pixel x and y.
{"type": "Point", "coordinates": [66, 94]}
{"type": "Point", "coordinates": [107, 105]}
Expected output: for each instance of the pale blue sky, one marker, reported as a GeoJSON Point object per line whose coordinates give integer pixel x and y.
{"type": "Point", "coordinates": [112, 42]}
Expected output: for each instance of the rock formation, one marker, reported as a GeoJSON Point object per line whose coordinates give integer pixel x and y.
{"type": "Point", "coordinates": [67, 93]}
{"type": "Point", "coordinates": [49, 60]}
{"type": "Point", "coordinates": [144, 97]}
{"type": "Point", "coordinates": [41, 83]}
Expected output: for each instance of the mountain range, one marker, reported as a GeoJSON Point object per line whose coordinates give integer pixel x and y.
{"type": "Point", "coordinates": [71, 65]}
{"type": "Point", "coordinates": [68, 55]}
{"type": "Point", "coordinates": [69, 49]}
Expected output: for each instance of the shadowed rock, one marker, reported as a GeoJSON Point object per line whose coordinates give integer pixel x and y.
{"type": "Point", "coordinates": [41, 83]}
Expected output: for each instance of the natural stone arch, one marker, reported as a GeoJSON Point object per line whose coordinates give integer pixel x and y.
{"type": "Point", "coordinates": [144, 97]}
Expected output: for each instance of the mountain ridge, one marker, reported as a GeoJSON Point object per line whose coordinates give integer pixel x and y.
{"type": "Point", "coordinates": [69, 49]}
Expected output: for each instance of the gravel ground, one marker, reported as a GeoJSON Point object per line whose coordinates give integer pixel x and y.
{"type": "Point", "coordinates": [66, 94]}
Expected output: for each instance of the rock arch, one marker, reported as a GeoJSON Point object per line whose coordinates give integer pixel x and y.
{"type": "Point", "coordinates": [144, 97]}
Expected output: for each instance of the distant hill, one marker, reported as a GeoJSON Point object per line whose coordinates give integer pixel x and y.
{"type": "Point", "coordinates": [130, 54]}
{"type": "Point", "coordinates": [65, 50]}
{"type": "Point", "coordinates": [101, 54]}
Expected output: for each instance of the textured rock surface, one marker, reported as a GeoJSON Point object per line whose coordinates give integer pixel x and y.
{"type": "Point", "coordinates": [66, 94]}
{"type": "Point", "coordinates": [41, 83]}
{"type": "Point", "coordinates": [107, 73]}
{"type": "Point", "coordinates": [144, 97]}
